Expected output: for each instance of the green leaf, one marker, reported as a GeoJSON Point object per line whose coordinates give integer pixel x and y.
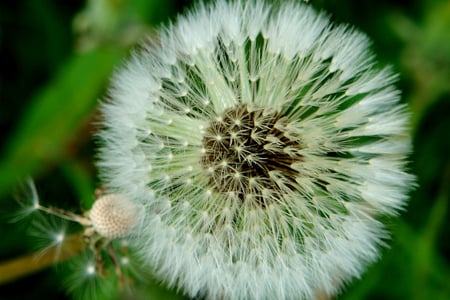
{"type": "Point", "coordinates": [55, 116]}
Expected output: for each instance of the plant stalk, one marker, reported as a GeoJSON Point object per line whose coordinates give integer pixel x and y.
{"type": "Point", "coordinates": [23, 266]}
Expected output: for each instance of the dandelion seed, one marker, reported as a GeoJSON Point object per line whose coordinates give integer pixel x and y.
{"type": "Point", "coordinates": [85, 282]}
{"type": "Point", "coordinates": [49, 234]}
{"type": "Point", "coordinates": [271, 185]}
{"type": "Point", "coordinates": [59, 237]}
{"type": "Point", "coordinates": [28, 199]}
{"type": "Point", "coordinates": [124, 260]}
{"type": "Point", "coordinates": [90, 269]}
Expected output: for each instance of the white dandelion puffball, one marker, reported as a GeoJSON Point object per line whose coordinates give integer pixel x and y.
{"type": "Point", "coordinates": [264, 145]}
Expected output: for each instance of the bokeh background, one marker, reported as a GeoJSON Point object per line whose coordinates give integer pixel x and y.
{"type": "Point", "coordinates": [57, 56]}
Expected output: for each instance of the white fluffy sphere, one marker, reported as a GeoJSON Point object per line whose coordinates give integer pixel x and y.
{"type": "Point", "coordinates": [264, 147]}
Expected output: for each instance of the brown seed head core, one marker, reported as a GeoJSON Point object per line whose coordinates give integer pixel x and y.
{"type": "Point", "coordinates": [248, 154]}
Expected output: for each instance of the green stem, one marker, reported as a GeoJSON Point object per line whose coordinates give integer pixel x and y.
{"type": "Point", "coordinates": [19, 267]}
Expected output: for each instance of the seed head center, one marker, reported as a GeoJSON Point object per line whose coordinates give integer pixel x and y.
{"type": "Point", "coordinates": [252, 160]}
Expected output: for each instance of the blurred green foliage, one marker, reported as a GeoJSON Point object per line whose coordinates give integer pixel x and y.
{"type": "Point", "coordinates": [56, 57]}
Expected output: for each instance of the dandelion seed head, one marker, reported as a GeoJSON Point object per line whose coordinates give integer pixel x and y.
{"type": "Point", "coordinates": [113, 216]}
{"type": "Point", "coordinates": [272, 182]}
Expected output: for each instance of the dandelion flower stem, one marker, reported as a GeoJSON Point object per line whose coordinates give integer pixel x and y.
{"type": "Point", "coordinates": [65, 215]}
{"type": "Point", "coordinates": [31, 263]}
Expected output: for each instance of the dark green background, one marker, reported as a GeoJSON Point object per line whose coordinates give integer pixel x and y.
{"type": "Point", "coordinates": [57, 56]}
